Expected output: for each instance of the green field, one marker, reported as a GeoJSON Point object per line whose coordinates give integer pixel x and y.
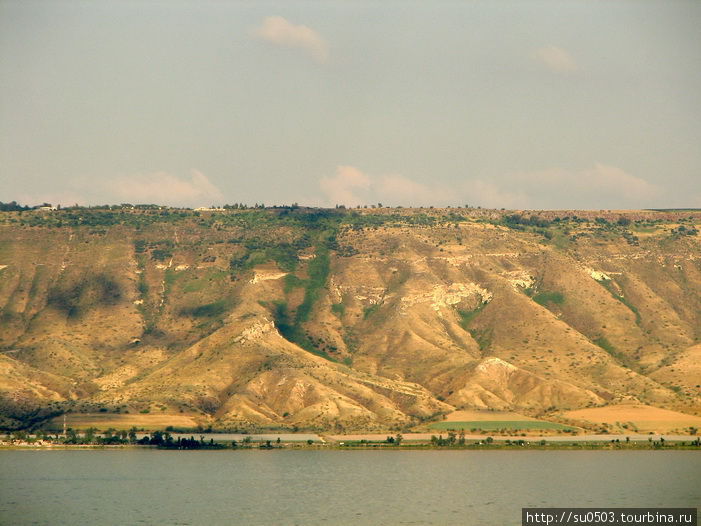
{"type": "Point", "coordinates": [494, 425]}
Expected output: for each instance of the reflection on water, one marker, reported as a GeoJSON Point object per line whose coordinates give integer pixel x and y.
{"type": "Point", "coordinates": [333, 487]}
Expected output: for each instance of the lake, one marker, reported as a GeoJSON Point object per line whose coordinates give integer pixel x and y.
{"type": "Point", "coordinates": [253, 487]}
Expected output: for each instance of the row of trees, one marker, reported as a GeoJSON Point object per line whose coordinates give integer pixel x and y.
{"type": "Point", "coordinates": [14, 206]}
{"type": "Point", "coordinates": [109, 437]}
{"type": "Point", "coordinates": [452, 439]}
{"type": "Point", "coordinates": [161, 439]}
{"type": "Point", "coordinates": [91, 436]}
{"type": "Point", "coordinates": [166, 440]}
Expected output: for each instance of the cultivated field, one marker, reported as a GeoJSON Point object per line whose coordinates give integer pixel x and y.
{"type": "Point", "coordinates": [481, 415]}
{"type": "Point", "coordinates": [125, 421]}
{"type": "Point", "coordinates": [484, 420]}
{"type": "Point", "coordinates": [495, 425]}
{"type": "Point", "coordinates": [636, 417]}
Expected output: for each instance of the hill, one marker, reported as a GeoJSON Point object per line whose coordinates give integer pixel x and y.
{"type": "Point", "coordinates": [361, 319]}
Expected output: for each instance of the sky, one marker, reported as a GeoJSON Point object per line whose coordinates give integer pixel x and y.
{"type": "Point", "coordinates": [553, 104]}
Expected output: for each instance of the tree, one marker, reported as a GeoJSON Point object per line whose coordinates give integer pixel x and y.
{"type": "Point", "coordinates": [71, 436]}
{"type": "Point", "coordinates": [90, 434]}
{"type": "Point", "coordinates": [156, 438]}
{"type": "Point", "coordinates": [398, 439]}
{"type": "Point", "coordinates": [12, 206]}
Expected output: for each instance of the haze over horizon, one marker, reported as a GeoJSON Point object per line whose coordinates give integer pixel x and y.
{"type": "Point", "coordinates": [512, 104]}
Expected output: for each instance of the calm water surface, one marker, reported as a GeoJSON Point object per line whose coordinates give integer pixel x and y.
{"type": "Point", "coordinates": [332, 487]}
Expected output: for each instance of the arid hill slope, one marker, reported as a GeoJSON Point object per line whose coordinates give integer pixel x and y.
{"type": "Point", "coordinates": [371, 319]}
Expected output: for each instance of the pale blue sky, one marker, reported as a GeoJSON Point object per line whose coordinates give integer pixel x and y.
{"type": "Point", "coordinates": [537, 104]}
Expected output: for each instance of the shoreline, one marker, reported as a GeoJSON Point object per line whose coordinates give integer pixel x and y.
{"type": "Point", "coordinates": [482, 445]}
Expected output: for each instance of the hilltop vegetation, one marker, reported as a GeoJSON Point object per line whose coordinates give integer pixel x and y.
{"type": "Point", "coordinates": [339, 319]}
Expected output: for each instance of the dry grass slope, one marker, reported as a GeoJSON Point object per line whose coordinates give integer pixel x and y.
{"type": "Point", "coordinates": [369, 320]}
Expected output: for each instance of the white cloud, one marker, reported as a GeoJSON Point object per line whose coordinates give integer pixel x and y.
{"type": "Point", "coordinates": [602, 186]}
{"type": "Point", "coordinates": [555, 59]}
{"type": "Point", "coordinates": [63, 198]}
{"type": "Point", "coordinates": [399, 189]}
{"type": "Point", "coordinates": [342, 188]}
{"type": "Point", "coordinates": [159, 188]}
{"type": "Point", "coordinates": [352, 187]}
{"type": "Point", "coordinates": [599, 187]}
{"type": "Point", "coordinates": [281, 32]}
{"type": "Point", "coordinates": [164, 188]}
{"type": "Point", "coordinates": [616, 180]}
{"type": "Point", "coordinates": [488, 194]}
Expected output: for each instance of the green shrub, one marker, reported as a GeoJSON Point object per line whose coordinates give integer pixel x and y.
{"type": "Point", "coordinates": [292, 330]}
{"type": "Point", "coordinates": [483, 337]}
{"type": "Point", "coordinates": [466, 316]}
{"type": "Point", "coordinates": [292, 282]}
{"type": "Point", "coordinates": [76, 298]}
{"type": "Point", "coordinates": [543, 298]}
{"type": "Point", "coordinates": [370, 310]}
{"type": "Point", "coordinates": [209, 310]}
{"type": "Point", "coordinates": [607, 284]}
{"type": "Point", "coordinates": [142, 285]}
{"type": "Point", "coordinates": [605, 344]}
{"type": "Point", "coordinates": [318, 271]}
{"type": "Point", "coordinates": [160, 254]}
{"type": "Point", "coordinates": [611, 350]}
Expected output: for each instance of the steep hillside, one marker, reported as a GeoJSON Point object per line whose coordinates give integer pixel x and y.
{"type": "Point", "coordinates": [367, 319]}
